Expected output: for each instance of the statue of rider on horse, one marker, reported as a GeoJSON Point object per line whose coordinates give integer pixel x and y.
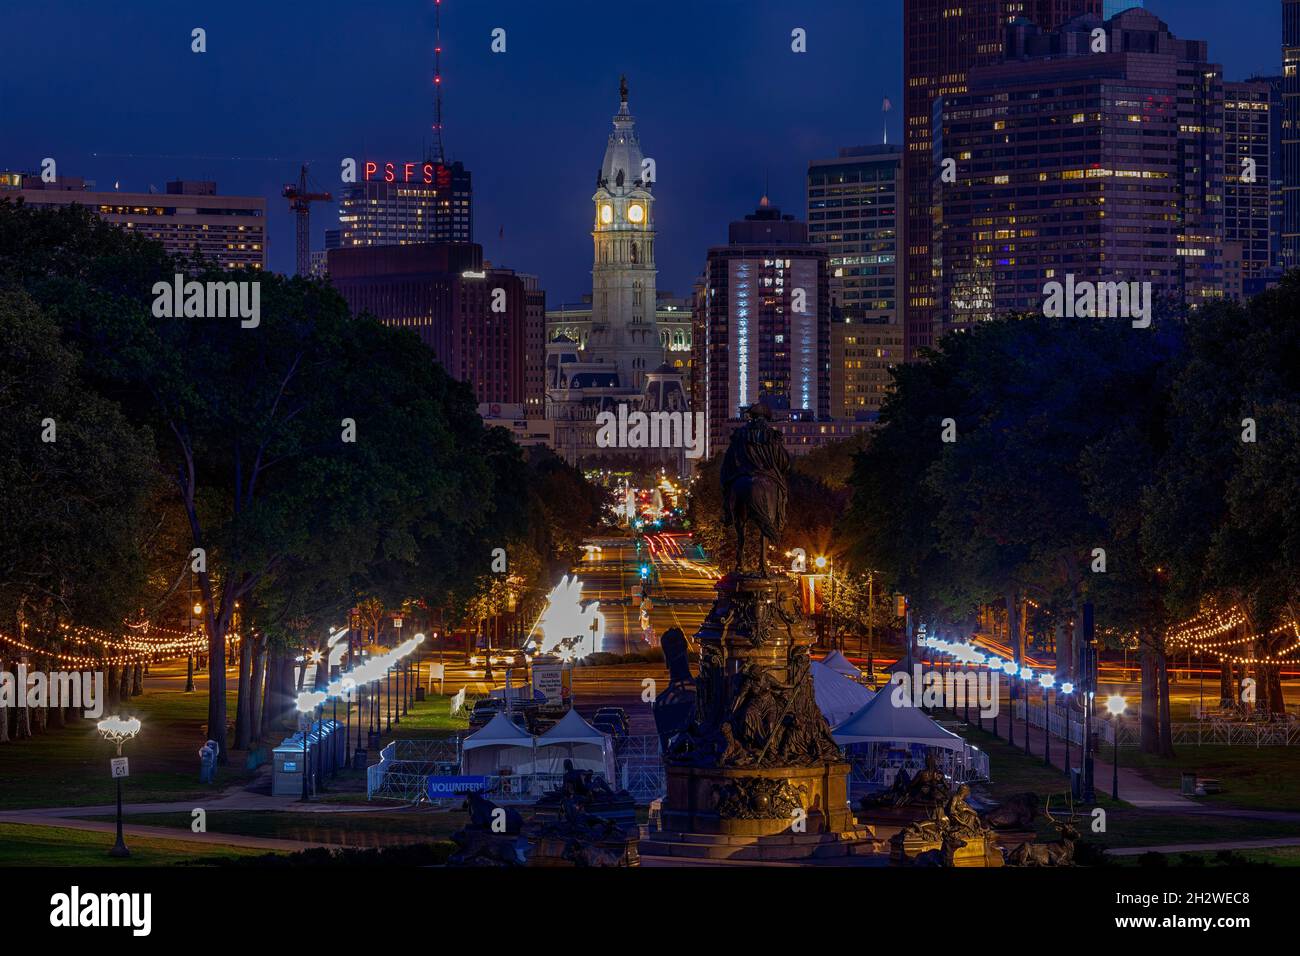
{"type": "Point", "coordinates": [754, 487]}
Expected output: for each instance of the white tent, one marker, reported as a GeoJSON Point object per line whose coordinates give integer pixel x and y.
{"type": "Point", "coordinates": [882, 740]}
{"type": "Point", "coordinates": [500, 745]}
{"type": "Point", "coordinates": [838, 697]}
{"type": "Point", "coordinates": [841, 664]}
{"type": "Point", "coordinates": [574, 739]}
{"type": "Point", "coordinates": [881, 722]}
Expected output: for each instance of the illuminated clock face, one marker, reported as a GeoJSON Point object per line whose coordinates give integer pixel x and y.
{"type": "Point", "coordinates": [635, 212]}
{"type": "Point", "coordinates": [606, 213]}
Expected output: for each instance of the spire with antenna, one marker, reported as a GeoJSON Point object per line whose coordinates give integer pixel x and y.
{"type": "Point", "coordinates": [438, 155]}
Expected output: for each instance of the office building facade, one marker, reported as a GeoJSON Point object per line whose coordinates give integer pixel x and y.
{"type": "Point", "coordinates": [399, 203]}
{"type": "Point", "coordinates": [189, 219]}
{"type": "Point", "coordinates": [485, 325]}
{"type": "Point", "coordinates": [1104, 166]}
{"type": "Point", "coordinates": [1251, 158]}
{"type": "Point", "coordinates": [764, 333]}
{"type": "Point", "coordinates": [942, 41]}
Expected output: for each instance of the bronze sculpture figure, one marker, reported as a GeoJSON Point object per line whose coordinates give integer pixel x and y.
{"type": "Point", "coordinates": [754, 486]}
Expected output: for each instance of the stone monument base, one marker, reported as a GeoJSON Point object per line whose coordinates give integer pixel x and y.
{"type": "Point", "coordinates": [740, 813]}
{"type": "Point", "coordinates": [860, 841]}
{"type": "Point", "coordinates": [617, 850]}
{"type": "Point", "coordinates": [978, 851]}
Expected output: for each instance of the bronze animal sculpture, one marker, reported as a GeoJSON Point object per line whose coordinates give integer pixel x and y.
{"type": "Point", "coordinates": [1058, 853]}
{"type": "Point", "coordinates": [1017, 813]}
{"type": "Point", "coordinates": [943, 856]}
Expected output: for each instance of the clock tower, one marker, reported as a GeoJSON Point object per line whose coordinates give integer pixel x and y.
{"type": "Point", "coordinates": [623, 329]}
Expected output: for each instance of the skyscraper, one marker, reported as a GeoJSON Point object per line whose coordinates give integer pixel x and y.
{"type": "Point", "coordinates": [1106, 166]}
{"type": "Point", "coordinates": [1250, 170]}
{"type": "Point", "coordinates": [399, 203]}
{"type": "Point", "coordinates": [1290, 134]}
{"type": "Point", "coordinates": [484, 325]}
{"type": "Point", "coordinates": [765, 330]}
{"type": "Point", "coordinates": [853, 210]}
{"type": "Point", "coordinates": [942, 41]}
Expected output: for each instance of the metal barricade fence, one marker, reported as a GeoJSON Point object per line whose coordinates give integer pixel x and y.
{"type": "Point", "coordinates": [1242, 733]}
{"type": "Point", "coordinates": [405, 766]}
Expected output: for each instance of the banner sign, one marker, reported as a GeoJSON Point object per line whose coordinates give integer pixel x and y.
{"type": "Point", "coordinates": [442, 787]}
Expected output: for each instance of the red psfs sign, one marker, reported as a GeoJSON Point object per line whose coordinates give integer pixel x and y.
{"type": "Point", "coordinates": [431, 174]}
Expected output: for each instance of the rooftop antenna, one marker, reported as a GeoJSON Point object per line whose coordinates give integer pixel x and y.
{"type": "Point", "coordinates": [438, 155]}
{"type": "Point", "coordinates": [885, 107]}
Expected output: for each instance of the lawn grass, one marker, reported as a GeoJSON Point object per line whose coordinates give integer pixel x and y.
{"type": "Point", "coordinates": [1131, 826]}
{"type": "Point", "coordinates": [1273, 856]}
{"type": "Point", "coordinates": [69, 766]}
{"type": "Point", "coordinates": [431, 717]}
{"type": "Point", "coordinates": [1013, 772]}
{"type": "Point", "coordinates": [341, 829]}
{"type": "Point", "coordinates": [1258, 778]}
{"type": "Point", "coordinates": [59, 846]}
{"type": "Point", "coordinates": [1125, 825]}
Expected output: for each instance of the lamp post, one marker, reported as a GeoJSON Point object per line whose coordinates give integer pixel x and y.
{"type": "Point", "coordinates": [1046, 680]}
{"type": "Point", "coordinates": [1067, 689]}
{"type": "Point", "coordinates": [195, 611]}
{"type": "Point", "coordinates": [305, 710]}
{"type": "Point", "coordinates": [1009, 668]}
{"type": "Point", "coordinates": [334, 719]}
{"type": "Point", "coordinates": [320, 758]}
{"type": "Point", "coordinates": [1115, 704]}
{"type": "Point", "coordinates": [349, 687]}
{"type": "Point", "coordinates": [119, 730]}
{"type": "Point", "coordinates": [1026, 675]}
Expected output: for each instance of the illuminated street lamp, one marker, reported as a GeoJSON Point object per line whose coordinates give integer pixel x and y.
{"type": "Point", "coordinates": [1026, 675]}
{"type": "Point", "coordinates": [1009, 668]}
{"type": "Point", "coordinates": [1046, 680]}
{"type": "Point", "coordinates": [307, 702]}
{"type": "Point", "coordinates": [1115, 704]}
{"type": "Point", "coordinates": [119, 730]}
{"type": "Point", "coordinates": [1066, 688]}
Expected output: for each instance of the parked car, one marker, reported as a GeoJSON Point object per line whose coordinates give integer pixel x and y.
{"type": "Point", "coordinates": [485, 708]}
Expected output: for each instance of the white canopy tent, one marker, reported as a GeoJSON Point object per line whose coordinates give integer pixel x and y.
{"type": "Point", "coordinates": [500, 745]}
{"type": "Point", "coordinates": [838, 696]}
{"type": "Point", "coordinates": [838, 662]}
{"type": "Point", "coordinates": [572, 738]}
{"type": "Point", "coordinates": [881, 722]}
{"type": "Point", "coordinates": [882, 739]}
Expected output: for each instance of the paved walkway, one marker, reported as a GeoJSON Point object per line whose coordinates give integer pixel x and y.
{"type": "Point", "coordinates": [1205, 847]}
{"type": "Point", "coordinates": [161, 833]}
{"type": "Point", "coordinates": [1133, 787]}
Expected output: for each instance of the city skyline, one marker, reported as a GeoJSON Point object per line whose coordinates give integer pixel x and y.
{"type": "Point", "coordinates": [779, 110]}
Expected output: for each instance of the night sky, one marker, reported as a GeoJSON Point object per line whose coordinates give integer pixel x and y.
{"type": "Point", "coordinates": [112, 91]}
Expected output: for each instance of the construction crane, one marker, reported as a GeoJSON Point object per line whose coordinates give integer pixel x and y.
{"type": "Point", "coordinates": [300, 201]}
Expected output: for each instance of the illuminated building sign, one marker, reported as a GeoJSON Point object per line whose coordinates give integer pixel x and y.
{"type": "Point", "coordinates": [430, 174]}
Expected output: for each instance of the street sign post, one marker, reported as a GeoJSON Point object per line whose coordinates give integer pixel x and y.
{"type": "Point", "coordinates": [120, 768]}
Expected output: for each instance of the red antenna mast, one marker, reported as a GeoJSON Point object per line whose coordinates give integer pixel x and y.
{"type": "Point", "coordinates": [438, 156]}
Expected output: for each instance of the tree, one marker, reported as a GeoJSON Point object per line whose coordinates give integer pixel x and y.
{"type": "Point", "coordinates": [75, 485]}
